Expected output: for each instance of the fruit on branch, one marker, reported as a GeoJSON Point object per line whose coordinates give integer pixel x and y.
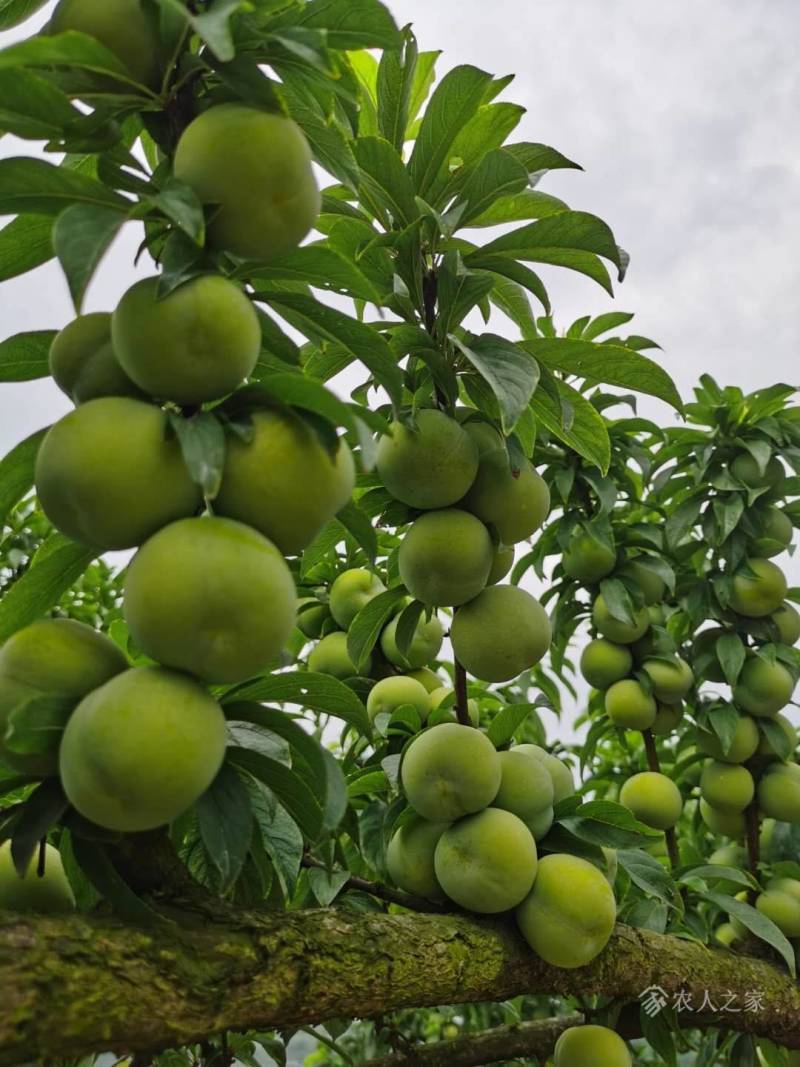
{"type": "Point", "coordinates": [780, 902]}
{"type": "Point", "coordinates": [729, 856]}
{"type": "Point", "coordinates": [758, 593]}
{"type": "Point", "coordinates": [111, 473]}
{"type": "Point", "coordinates": [351, 591]}
{"type": "Point", "coordinates": [727, 823]}
{"type": "Point", "coordinates": [765, 746]}
{"type": "Point", "coordinates": [741, 747]}
{"type": "Point", "coordinates": [331, 657]}
{"type": "Point", "coordinates": [568, 916]}
{"type": "Point", "coordinates": [255, 168]}
{"type": "Point", "coordinates": [502, 563]}
{"type": "Point", "coordinates": [651, 584]}
{"type": "Point", "coordinates": [424, 647]}
{"type": "Point", "coordinates": [312, 616]}
{"type": "Point", "coordinates": [212, 597]}
{"type": "Point", "coordinates": [58, 657]}
{"type": "Point", "coordinates": [587, 559]}
{"type": "Point", "coordinates": [622, 633]}
{"type": "Point", "coordinates": [603, 663]}
{"type": "Point", "coordinates": [125, 27]}
{"type": "Point", "coordinates": [560, 774]}
{"type": "Point", "coordinates": [448, 714]}
{"type": "Point", "coordinates": [83, 363]}
{"type": "Point", "coordinates": [47, 894]}
{"type": "Point", "coordinates": [389, 694]}
{"type": "Point", "coordinates": [630, 706]}
{"type": "Point", "coordinates": [429, 465]}
{"type": "Point", "coordinates": [526, 787]}
{"type": "Point", "coordinates": [787, 621]}
{"type": "Point", "coordinates": [763, 688]}
{"type": "Point", "coordinates": [285, 482]}
{"type": "Point", "coordinates": [514, 502]}
{"type": "Point", "coordinates": [141, 749]}
{"type": "Point", "coordinates": [653, 798]}
{"type": "Point", "coordinates": [501, 633]}
{"type": "Point", "coordinates": [445, 557]}
{"type": "Point", "coordinates": [449, 771]}
{"type": "Point", "coordinates": [409, 858]}
{"type": "Point", "coordinates": [196, 344]}
{"type": "Point", "coordinates": [486, 862]}
{"type": "Point", "coordinates": [668, 718]}
{"type": "Point", "coordinates": [779, 792]}
{"type": "Point", "coordinates": [671, 679]}
{"type": "Point", "coordinates": [776, 532]}
{"type": "Point", "coordinates": [728, 787]}
{"type": "Point", "coordinates": [704, 655]}
{"type": "Point", "coordinates": [426, 677]}
{"type": "Point", "coordinates": [747, 470]}
{"type": "Point", "coordinates": [591, 1046]}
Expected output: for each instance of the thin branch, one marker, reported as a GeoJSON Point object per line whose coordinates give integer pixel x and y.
{"type": "Point", "coordinates": [382, 892]}
{"type": "Point", "coordinates": [654, 764]}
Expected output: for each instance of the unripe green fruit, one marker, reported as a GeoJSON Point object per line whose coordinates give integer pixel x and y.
{"type": "Point", "coordinates": [449, 771]}
{"type": "Point", "coordinates": [603, 663]}
{"type": "Point", "coordinates": [211, 597]}
{"type": "Point", "coordinates": [485, 436]}
{"type": "Point", "coordinates": [671, 679]}
{"type": "Point", "coordinates": [110, 474]}
{"type": "Point", "coordinates": [588, 560]}
{"type": "Point", "coordinates": [668, 719]}
{"type": "Point", "coordinates": [196, 344]}
{"type": "Point", "coordinates": [591, 1046]}
{"type": "Point", "coordinates": [729, 856]}
{"type": "Point", "coordinates": [704, 654]}
{"type": "Point", "coordinates": [284, 482]}
{"type": "Point", "coordinates": [501, 633]}
{"type": "Point", "coordinates": [424, 647]}
{"type": "Point", "coordinates": [622, 633]}
{"type": "Point", "coordinates": [487, 862]}
{"type": "Point", "coordinates": [514, 503]}
{"type": "Point", "coordinates": [442, 693]}
{"type": "Point", "coordinates": [389, 694]}
{"type": "Point", "coordinates": [727, 823]}
{"type": "Point", "coordinates": [727, 787]}
{"type": "Point", "coordinates": [726, 934]}
{"type": "Point", "coordinates": [429, 466]}
{"type": "Point", "coordinates": [783, 908]}
{"type": "Point", "coordinates": [630, 706]}
{"type": "Point", "coordinates": [50, 894]}
{"type": "Point", "coordinates": [141, 749]}
{"type": "Point", "coordinates": [760, 595]}
{"type": "Point", "coordinates": [787, 619]}
{"type": "Point", "coordinates": [651, 585]}
{"type": "Point", "coordinates": [256, 167]}
{"type": "Point", "coordinates": [52, 656]}
{"type": "Point", "coordinates": [743, 744]}
{"type": "Point", "coordinates": [311, 617]}
{"type": "Point", "coordinates": [526, 787]}
{"type": "Point", "coordinates": [779, 792]}
{"type": "Point", "coordinates": [561, 775]}
{"type": "Point", "coordinates": [351, 591]}
{"type": "Point", "coordinates": [765, 745]}
{"type": "Point", "coordinates": [568, 916]}
{"type": "Point", "coordinates": [763, 688]}
{"type": "Point", "coordinates": [331, 657]}
{"type": "Point", "coordinates": [426, 677]}
{"type": "Point", "coordinates": [540, 824]}
{"type": "Point", "coordinates": [653, 798]}
{"type": "Point", "coordinates": [83, 363]}
{"type": "Point", "coordinates": [776, 533]}
{"type": "Point", "coordinates": [445, 557]}
{"type": "Point", "coordinates": [124, 27]}
{"type": "Point", "coordinates": [502, 563]}
{"type": "Point", "coordinates": [745, 468]}
{"type": "Point", "coordinates": [409, 858]}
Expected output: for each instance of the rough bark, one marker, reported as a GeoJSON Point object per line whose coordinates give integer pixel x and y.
{"type": "Point", "coordinates": [73, 985]}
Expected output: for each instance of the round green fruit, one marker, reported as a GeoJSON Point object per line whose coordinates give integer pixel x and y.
{"type": "Point", "coordinates": [727, 823]}
{"type": "Point", "coordinates": [389, 694]}
{"type": "Point", "coordinates": [255, 167]}
{"type": "Point", "coordinates": [540, 823]}
{"type": "Point", "coordinates": [430, 465]}
{"type": "Point", "coordinates": [787, 620]}
{"type": "Point", "coordinates": [83, 363]}
{"type": "Point", "coordinates": [603, 663]}
{"type": "Point", "coordinates": [650, 583]}
{"type": "Point", "coordinates": [515, 503]}
{"type": "Point", "coordinates": [331, 657]}
{"type": "Point", "coordinates": [424, 647]}
{"type": "Point", "coordinates": [445, 557]}
{"type": "Point", "coordinates": [760, 593]}
{"type": "Point", "coordinates": [591, 1046]}
{"type": "Point", "coordinates": [668, 719]}
{"type": "Point", "coordinates": [704, 656]}
{"type": "Point", "coordinates": [779, 792]}
{"type": "Point", "coordinates": [486, 862]}
{"type": "Point", "coordinates": [195, 597]}
{"type": "Point", "coordinates": [48, 894]}
{"type": "Point", "coordinates": [409, 858]}
{"type": "Point", "coordinates": [501, 633]}
{"type": "Point", "coordinates": [196, 344]}
{"type": "Point", "coordinates": [110, 474]}
{"type": "Point", "coordinates": [502, 563]}
{"type": "Point", "coordinates": [671, 679]}
{"type": "Point", "coordinates": [776, 533]}
{"type": "Point", "coordinates": [653, 798]}
{"type": "Point", "coordinates": [745, 468]}
{"type": "Point", "coordinates": [124, 27]}
{"type": "Point", "coordinates": [727, 787]}
{"type": "Point", "coordinates": [765, 747]}
{"type": "Point", "coordinates": [622, 633]}
{"type": "Point", "coordinates": [782, 908]}
{"type": "Point", "coordinates": [729, 856]}
{"type": "Point", "coordinates": [284, 481]}
{"type": "Point", "coordinates": [742, 746]}
{"type": "Point", "coordinates": [142, 749]}
{"type": "Point", "coordinates": [428, 678]}
{"type": "Point", "coordinates": [311, 617]}
{"type": "Point", "coordinates": [763, 688]}
{"type": "Point", "coordinates": [560, 774]}
{"type": "Point", "coordinates": [630, 706]}
{"type": "Point", "coordinates": [351, 591]}
{"type": "Point", "coordinates": [526, 787]}
{"type": "Point", "coordinates": [450, 771]}
{"type": "Point", "coordinates": [726, 934]}
{"type": "Point", "coordinates": [588, 560]}
{"type": "Point", "coordinates": [569, 915]}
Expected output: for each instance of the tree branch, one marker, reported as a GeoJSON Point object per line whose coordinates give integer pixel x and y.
{"type": "Point", "coordinates": [74, 985]}
{"type": "Point", "coordinates": [654, 764]}
{"type": "Point", "coordinates": [381, 891]}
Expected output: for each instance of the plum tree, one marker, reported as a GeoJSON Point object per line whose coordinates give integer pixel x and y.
{"type": "Point", "coordinates": [195, 596]}
{"type": "Point", "coordinates": [629, 705]}
{"type": "Point", "coordinates": [755, 475]}
{"type": "Point", "coordinates": [787, 621]}
{"type": "Point", "coordinates": [351, 591]}
{"type": "Point", "coordinates": [622, 633]}
{"type": "Point", "coordinates": [83, 363]}
{"type": "Point", "coordinates": [125, 27]}
{"type": "Point", "coordinates": [445, 557]}
{"type": "Point", "coordinates": [560, 774]}
{"type": "Point", "coordinates": [727, 787]}
{"type": "Point", "coordinates": [526, 787]}
{"type": "Point", "coordinates": [776, 532]}
{"type": "Point", "coordinates": [312, 615]}
{"type": "Point", "coordinates": [196, 344]}
{"type": "Point", "coordinates": [261, 477]}
{"type": "Point", "coordinates": [514, 502]}
{"type": "Point", "coordinates": [758, 588]}
{"type": "Point", "coordinates": [449, 771]}
{"type": "Point", "coordinates": [409, 858]}
{"type": "Point", "coordinates": [110, 475]}
{"type": "Point", "coordinates": [424, 647]}
{"type": "Point", "coordinates": [49, 893]}
{"type": "Point", "coordinates": [763, 688]}
{"type": "Point", "coordinates": [591, 1046]}
{"type": "Point", "coordinates": [141, 749]}
{"type": "Point", "coordinates": [779, 792]}
{"type": "Point", "coordinates": [653, 798]}
{"type": "Point", "coordinates": [587, 559]}
{"type": "Point", "coordinates": [331, 657]}
{"type": "Point", "coordinates": [603, 663]}
{"type": "Point", "coordinates": [52, 656]}
{"type": "Point", "coordinates": [502, 563]}
{"type": "Point", "coordinates": [501, 633]}
{"type": "Point", "coordinates": [256, 167]}
{"type": "Point", "coordinates": [429, 465]}
{"type": "Point", "coordinates": [567, 929]}
{"type": "Point", "coordinates": [671, 678]}
{"type": "Point", "coordinates": [650, 583]}
{"type": "Point", "coordinates": [486, 862]}
{"type": "Point", "coordinates": [742, 744]}
{"type": "Point", "coordinates": [387, 695]}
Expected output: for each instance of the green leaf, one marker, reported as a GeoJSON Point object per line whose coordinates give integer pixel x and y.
{"type": "Point", "coordinates": [731, 653]}
{"type": "Point", "coordinates": [289, 788]}
{"type": "Point", "coordinates": [587, 434]}
{"type": "Point", "coordinates": [510, 372]}
{"type": "Point", "coordinates": [320, 266]}
{"type": "Point", "coordinates": [32, 107]}
{"type": "Point", "coordinates": [13, 12]}
{"type": "Point", "coordinates": [25, 243]}
{"type": "Point", "coordinates": [44, 807]}
{"type": "Point", "coordinates": [329, 145]}
{"type": "Point", "coordinates": [350, 24]}
{"type": "Point", "coordinates": [516, 272]}
{"type": "Point", "coordinates": [203, 445]}
{"type": "Point", "coordinates": [71, 49]}
{"type": "Point", "coordinates": [82, 235]}
{"type": "Point", "coordinates": [43, 584]}
{"type": "Point", "coordinates": [395, 84]}
{"type": "Point", "coordinates": [646, 872]}
{"type": "Point", "coordinates": [366, 627]}
{"type": "Point", "coordinates": [385, 180]}
{"type": "Point", "coordinates": [17, 470]}
{"type": "Point", "coordinates": [604, 323]}
{"type": "Point", "coordinates": [460, 290]}
{"type": "Point", "coordinates": [320, 692]}
{"type": "Point", "coordinates": [757, 923]}
{"type": "Point", "coordinates": [24, 356]}
{"type": "Point", "coordinates": [181, 204]}
{"type": "Point", "coordinates": [35, 726]}
{"type": "Point", "coordinates": [93, 860]}
{"type": "Point", "coordinates": [32, 185]}
{"type": "Point", "coordinates": [602, 822]}
{"type": "Point", "coordinates": [357, 523]}
{"type": "Point", "coordinates": [776, 738]}
{"type": "Point", "coordinates": [507, 721]}
{"type": "Point", "coordinates": [712, 872]}
{"type": "Point", "coordinates": [497, 175]}
{"type": "Point", "coordinates": [280, 835]}
{"type": "Point", "coordinates": [213, 27]}
{"type": "Point", "coordinates": [225, 822]}
{"type": "Point", "coordinates": [297, 391]}
{"type": "Point", "coordinates": [528, 204]}
{"type": "Point", "coordinates": [326, 885]}
{"type": "Point", "coordinates": [618, 600]}
{"type": "Point", "coordinates": [537, 158]}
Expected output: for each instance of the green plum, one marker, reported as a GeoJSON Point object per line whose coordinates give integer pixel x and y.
{"type": "Point", "coordinates": [429, 465]}
{"type": "Point", "coordinates": [445, 557]}
{"type": "Point", "coordinates": [449, 771]}
{"type": "Point", "coordinates": [499, 634]}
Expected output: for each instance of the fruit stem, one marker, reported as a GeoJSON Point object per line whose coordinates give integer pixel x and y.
{"type": "Point", "coordinates": [654, 764]}
{"type": "Point", "coordinates": [462, 704]}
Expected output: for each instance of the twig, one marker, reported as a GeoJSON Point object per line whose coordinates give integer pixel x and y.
{"type": "Point", "coordinates": [654, 764]}
{"type": "Point", "coordinates": [462, 702]}
{"type": "Point", "coordinates": [382, 892]}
